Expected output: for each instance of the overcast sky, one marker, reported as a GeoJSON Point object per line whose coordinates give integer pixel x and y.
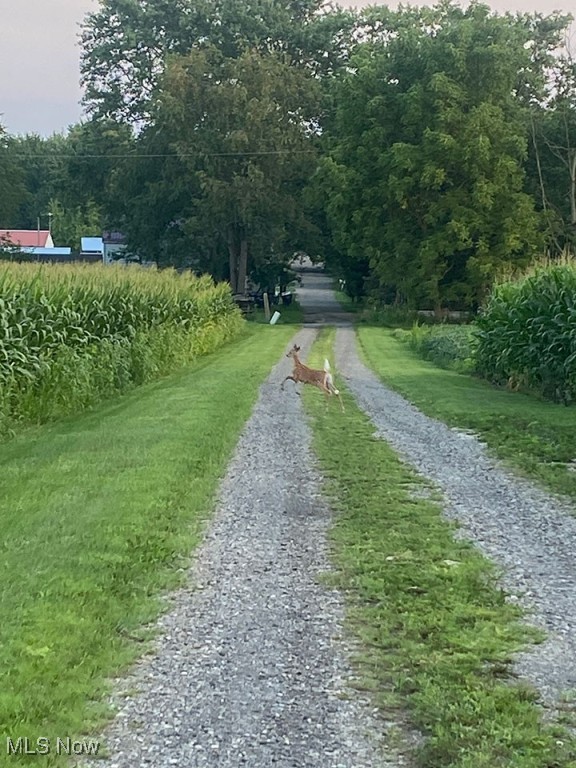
{"type": "Point", "coordinates": [39, 58]}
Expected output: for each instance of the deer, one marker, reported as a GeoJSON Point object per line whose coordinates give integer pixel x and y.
{"type": "Point", "coordinates": [321, 379]}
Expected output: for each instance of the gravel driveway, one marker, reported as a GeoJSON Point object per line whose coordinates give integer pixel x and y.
{"type": "Point", "coordinates": [251, 667]}
{"type": "Point", "coordinates": [529, 534]}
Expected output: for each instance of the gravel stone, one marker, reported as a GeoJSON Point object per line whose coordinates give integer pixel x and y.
{"type": "Point", "coordinates": [251, 665]}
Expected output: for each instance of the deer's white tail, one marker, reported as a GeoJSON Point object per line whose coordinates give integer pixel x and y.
{"type": "Point", "coordinates": [329, 379]}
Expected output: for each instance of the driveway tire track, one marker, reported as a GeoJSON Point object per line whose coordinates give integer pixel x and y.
{"type": "Point", "coordinates": [529, 534]}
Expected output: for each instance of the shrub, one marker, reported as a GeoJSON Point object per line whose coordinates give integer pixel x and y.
{"type": "Point", "coordinates": [389, 316]}
{"type": "Point", "coordinates": [448, 346]}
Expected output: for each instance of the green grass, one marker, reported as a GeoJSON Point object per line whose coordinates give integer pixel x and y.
{"type": "Point", "coordinates": [436, 633]}
{"type": "Point", "coordinates": [98, 515]}
{"type": "Point", "coordinates": [533, 436]}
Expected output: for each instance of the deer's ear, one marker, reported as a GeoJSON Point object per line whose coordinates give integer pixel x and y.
{"type": "Point", "coordinates": [296, 348]}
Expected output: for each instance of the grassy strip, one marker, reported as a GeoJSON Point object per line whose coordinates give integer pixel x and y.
{"type": "Point", "coordinates": [98, 515]}
{"type": "Point", "coordinates": [530, 435]}
{"type": "Point", "coordinates": [436, 632]}
{"type": "Point", "coordinates": [367, 313]}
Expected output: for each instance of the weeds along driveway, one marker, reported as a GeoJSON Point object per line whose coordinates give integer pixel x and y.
{"type": "Point", "coordinates": [250, 666]}
{"type": "Point", "coordinates": [530, 535]}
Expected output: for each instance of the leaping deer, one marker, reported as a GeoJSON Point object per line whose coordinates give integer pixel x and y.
{"type": "Point", "coordinates": [321, 379]}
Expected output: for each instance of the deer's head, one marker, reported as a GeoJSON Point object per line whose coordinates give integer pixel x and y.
{"type": "Point", "coordinates": [294, 351]}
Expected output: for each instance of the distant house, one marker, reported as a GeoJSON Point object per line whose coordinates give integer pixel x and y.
{"type": "Point", "coordinates": [114, 246]}
{"type": "Point", "coordinates": [22, 246]}
{"type": "Point", "coordinates": [26, 238]}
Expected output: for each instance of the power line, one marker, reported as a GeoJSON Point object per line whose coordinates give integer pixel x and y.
{"type": "Point", "coordinates": [144, 156]}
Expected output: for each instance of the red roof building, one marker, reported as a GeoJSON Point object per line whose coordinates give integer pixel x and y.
{"type": "Point", "coordinates": [27, 238]}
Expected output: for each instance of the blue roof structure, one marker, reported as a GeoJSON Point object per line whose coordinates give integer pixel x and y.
{"type": "Point", "coordinates": [92, 245]}
{"type": "Point", "coordinates": [39, 251]}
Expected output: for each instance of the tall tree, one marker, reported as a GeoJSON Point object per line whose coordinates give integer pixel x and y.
{"type": "Point", "coordinates": [553, 153]}
{"type": "Point", "coordinates": [70, 225]}
{"type": "Point", "coordinates": [12, 189]}
{"type": "Point", "coordinates": [427, 152]}
{"type": "Point", "coordinates": [94, 151]}
{"type": "Point", "coordinates": [126, 42]}
{"type": "Point", "coordinates": [40, 167]}
{"type": "Point", "coordinates": [151, 198]}
{"type": "Point", "coordinates": [241, 128]}
{"type": "Point", "coordinates": [68, 177]}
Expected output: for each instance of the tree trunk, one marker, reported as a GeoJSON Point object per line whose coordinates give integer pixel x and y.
{"type": "Point", "coordinates": [238, 260]}
{"type": "Point", "coordinates": [538, 165]}
{"type": "Point", "coordinates": [541, 180]}
{"type": "Point", "coordinates": [233, 260]}
{"type": "Point", "coordinates": [242, 265]}
{"type": "Point", "coordinates": [573, 187]}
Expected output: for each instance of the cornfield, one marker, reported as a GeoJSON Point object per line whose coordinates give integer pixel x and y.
{"type": "Point", "coordinates": [60, 322]}
{"type": "Point", "coordinates": [527, 332]}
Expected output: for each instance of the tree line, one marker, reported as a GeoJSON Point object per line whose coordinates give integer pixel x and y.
{"type": "Point", "coordinates": [419, 152]}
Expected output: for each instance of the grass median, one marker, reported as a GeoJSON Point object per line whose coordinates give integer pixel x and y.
{"type": "Point", "coordinates": [98, 516]}
{"type": "Point", "coordinates": [437, 635]}
{"type": "Point", "coordinates": [533, 436]}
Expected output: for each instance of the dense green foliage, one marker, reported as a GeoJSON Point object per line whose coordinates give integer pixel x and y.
{"type": "Point", "coordinates": [70, 336]}
{"type": "Point", "coordinates": [424, 174]}
{"type": "Point", "coordinates": [126, 44]}
{"type": "Point", "coordinates": [236, 128]}
{"type": "Point", "coordinates": [449, 346]}
{"type": "Point", "coordinates": [526, 332]}
{"type": "Point", "coordinates": [230, 97]}
{"type": "Point", "coordinates": [12, 187]}
{"type": "Point", "coordinates": [552, 162]}
{"type": "Point", "coordinates": [418, 151]}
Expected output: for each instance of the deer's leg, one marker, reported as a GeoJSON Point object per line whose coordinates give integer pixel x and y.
{"type": "Point", "coordinates": [331, 390]}
{"type": "Point", "coordinates": [291, 379]}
